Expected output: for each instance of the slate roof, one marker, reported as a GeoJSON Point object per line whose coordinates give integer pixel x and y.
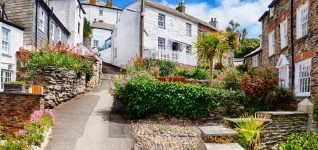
{"type": "Point", "coordinates": [100, 4]}
{"type": "Point", "coordinates": [177, 13]}
{"type": "Point", "coordinates": [103, 25]}
{"type": "Point", "coordinates": [259, 49]}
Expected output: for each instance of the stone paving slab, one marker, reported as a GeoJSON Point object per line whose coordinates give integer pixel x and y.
{"type": "Point", "coordinates": [230, 146]}
{"type": "Point", "coordinates": [217, 131]}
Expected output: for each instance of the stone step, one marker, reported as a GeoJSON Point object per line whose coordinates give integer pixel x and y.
{"type": "Point", "coordinates": [229, 146]}
{"type": "Point", "coordinates": [216, 134]}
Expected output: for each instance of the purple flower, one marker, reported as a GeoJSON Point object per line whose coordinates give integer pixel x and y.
{"type": "Point", "coordinates": [22, 132]}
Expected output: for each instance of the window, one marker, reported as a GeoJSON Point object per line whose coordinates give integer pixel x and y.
{"type": "Point", "coordinates": [41, 20]}
{"type": "Point", "coordinates": [6, 76]}
{"type": "Point", "coordinates": [79, 27]}
{"type": "Point", "coordinates": [95, 43]}
{"type": "Point", "coordinates": [59, 34]}
{"type": "Point", "coordinates": [6, 41]}
{"type": "Point", "coordinates": [283, 34]}
{"type": "Point", "coordinates": [271, 11]}
{"type": "Point", "coordinates": [302, 77]}
{"type": "Point", "coordinates": [189, 29]}
{"type": "Point", "coordinates": [101, 13]}
{"type": "Point", "coordinates": [52, 30]}
{"type": "Point", "coordinates": [271, 41]}
{"type": "Point", "coordinates": [162, 21]}
{"type": "Point", "coordinates": [161, 43]}
{"type": "Point", "coordinates": [302, 21]}
{"type": "Point", "coordinates": [255, 61]}
{"type": "Point", "coordinates": [188, 49]}
{"type": "Point", "coordinates": [175, 46]}
{"type": "Point", "coordinates": [283, 76]}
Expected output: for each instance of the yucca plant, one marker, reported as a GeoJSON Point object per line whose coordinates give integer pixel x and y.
{"type": "Point", "coordinates": [249, 128]}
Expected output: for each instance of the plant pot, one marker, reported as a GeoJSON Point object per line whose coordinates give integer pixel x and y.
{"type": "Point", "coordinates": [14, 88]}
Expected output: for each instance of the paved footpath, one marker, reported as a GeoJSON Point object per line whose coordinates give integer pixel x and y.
{"type": "Point", "coordinates": [88, 123]}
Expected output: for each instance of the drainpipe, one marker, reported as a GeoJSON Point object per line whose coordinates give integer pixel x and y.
{"type": "Point", "coordinates": [49, 26]}
{"type": "Point", "coordinates": [292, 42]}
{"type": "Point", "coordinates": [36, 25]}
{"type": "Point", "coordinates": [142, 28]}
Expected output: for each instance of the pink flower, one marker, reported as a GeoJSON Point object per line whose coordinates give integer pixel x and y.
{"type": "Point", "coordinates": [22, 132]}
{"type": "Point", "coordinates": [36, 115]}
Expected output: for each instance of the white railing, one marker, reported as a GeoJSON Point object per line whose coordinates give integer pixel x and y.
{"type": "Point", "coordinates": [174, 56]}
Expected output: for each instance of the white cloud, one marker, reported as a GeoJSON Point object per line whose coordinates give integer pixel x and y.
{"type": "Point", "coordinates": [246, 13]}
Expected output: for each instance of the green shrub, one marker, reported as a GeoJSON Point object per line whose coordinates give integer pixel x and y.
{"type": "Point", "coordinates": [166, 67]}
{"type": "Point", "coordinates": [15, 82]}
{"type": "Point", "coordinates": [15, 145]}
{"type": "Point", "coordinates": [35, 133]}
{"type": "Point", "coordinates": [308, 141]}
{"type": "Point", "coordinates": [143, 96]}
{"type": "Point", "coordinates": [315, 115]}
{"type": "Point", "coordinates": [119, 88]}
{"type": "Point", "coordinates": [200, 74]}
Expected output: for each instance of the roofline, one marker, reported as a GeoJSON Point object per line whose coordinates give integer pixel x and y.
{"type": "Point", "coordinates": [47, 8]}
{"type": "Point", "coordinates": [182, 15]}
{"type": "Point", "coordinates": [80, 5]}
{"type": "Point", "coordinates": [263, 16]}
{"type": "Point", "coordinates": [102, 28]}
{"type": "Point", "coordinates": [102, 6]}
{"type": "Point", "coordinates": [254, 52]}
{"type": "Point", "coordinates": [272, 3]}
{"type": "Point", "coordinates": [11, 24]}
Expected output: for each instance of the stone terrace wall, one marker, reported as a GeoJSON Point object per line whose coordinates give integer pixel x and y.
{"type": "Point", "coordinates": [282, 126]}
{"type": "Point", "coordinates": [61, 85]}
{"type": "Point", "coordinates": [16, 109]}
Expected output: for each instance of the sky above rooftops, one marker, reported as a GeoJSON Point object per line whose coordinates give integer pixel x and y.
{"type": "Point", "coordinates": [246, 12]}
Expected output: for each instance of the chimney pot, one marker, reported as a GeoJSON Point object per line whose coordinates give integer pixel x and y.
{"type": "Point", "coordinates": [92, 2]}
{"type": "Point", "coordinates": [214, 22]}
{"type": "Point", "coordinates": [109, 3]}
{"type": "Point", "coordinates": [181, 7]}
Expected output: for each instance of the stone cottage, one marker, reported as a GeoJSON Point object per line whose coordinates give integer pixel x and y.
{"type": "Point", "coordinates": [290, 41]}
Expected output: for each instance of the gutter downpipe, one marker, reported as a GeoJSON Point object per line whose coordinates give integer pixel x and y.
{"type": "Point", "coordinates": [292, 42]}
{"type": "Point", "coordinates": [142, 28]}
{"type": "Point", "coordinates": [36, 25]}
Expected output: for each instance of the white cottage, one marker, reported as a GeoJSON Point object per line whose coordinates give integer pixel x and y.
{"type": "Point", "coordinates": [11, 40]}
{"type": "Point", "coordinates": [167, 34]}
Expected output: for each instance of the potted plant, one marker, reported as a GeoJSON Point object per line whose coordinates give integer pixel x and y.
{"type": "Point", "coordinates": [14, 87]}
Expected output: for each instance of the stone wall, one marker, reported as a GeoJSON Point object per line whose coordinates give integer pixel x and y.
{"type": "Point", "coordinates": [16, 109]}
{"type": "Point", "coordinates": [282, 125]}
{"type": "Point", "coordinates": [61, 85]}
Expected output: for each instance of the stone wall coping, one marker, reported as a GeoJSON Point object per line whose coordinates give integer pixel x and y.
{"type": "Point", "coordinates": [280, 113]}
{"type": "Point", "coordinates": [235, 120]}
{"type": "Point", "coordinates": [20, 93]}
{"type": "Point", "coordinates": [217, 131]}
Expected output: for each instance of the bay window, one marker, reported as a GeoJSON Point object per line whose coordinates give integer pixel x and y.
{"type": "Point", "coordinates": [6, 41]}
{"type": "Point", "coordinates": [6, 76]}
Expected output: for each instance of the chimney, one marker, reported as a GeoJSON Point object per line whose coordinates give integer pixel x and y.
{"type": "Point", "coordinates": [214, 23]}
{"type": "Point", "coordinates": [92, 2]}
{"type": "Point", "coordinates": [181, 7]}
{"type": "Point", "coordinates": [109, 3]}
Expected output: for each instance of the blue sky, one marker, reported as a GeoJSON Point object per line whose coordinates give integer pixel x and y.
{"type": "Point", "coordinates": [246, 12]}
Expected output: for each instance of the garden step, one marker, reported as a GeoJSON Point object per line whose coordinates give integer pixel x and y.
{"type": "Point", "coordinates": [229, 146]}
{"type": "Point", "coordinates": [216, 134]}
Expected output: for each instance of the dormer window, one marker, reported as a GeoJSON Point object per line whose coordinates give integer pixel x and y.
{"type": "Point", "coordinates": [271, 11]}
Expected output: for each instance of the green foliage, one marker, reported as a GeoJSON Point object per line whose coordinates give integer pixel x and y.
{"type": "Point", "coordinates": [196, 73]}
{"type": "Point", "coordinates": [35, 133]}
{"type": "Point", "coordinates": [242, 68]}
{"type": "Point", "coordinates": [143, 96]}
{"type": "Point", "coordinates": [247, 46]}
{"type": "Point", "coordinates": [315, 115]}
{"type": "Point", "coordinates": [15, 145]}
{"type": "Point", "coordinates": [15, 82]}
{"type": "Point", "coordinates": [296, 141]}
{"type": "Point", "coordinates": [166, 67]}
{"type": "Point", "coordinates": [119, 88]}
{"type": "Point", "coordinates": [88, 29]}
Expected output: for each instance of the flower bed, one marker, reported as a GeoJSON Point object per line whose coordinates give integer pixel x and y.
{"type": "Point", "coordinates": [33, 134]}
{"type": "Point", "coordinates": [172, 79]}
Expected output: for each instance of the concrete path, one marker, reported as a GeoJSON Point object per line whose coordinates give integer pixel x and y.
{"type": "Point", "coordinates": [90, 123]}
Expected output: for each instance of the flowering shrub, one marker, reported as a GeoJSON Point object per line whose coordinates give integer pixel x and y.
{"type": "Point", "coordinates": [228, 79]}
{"type": "Point", "coordinates": [57, 56]}
{"type": "Point", "coordinates": [218, 66]}
{"type": "Point", "coordinates": [262, 89]}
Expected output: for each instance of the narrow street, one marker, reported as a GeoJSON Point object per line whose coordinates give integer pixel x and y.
{"type": "Point", "coordinates": [90, 123]}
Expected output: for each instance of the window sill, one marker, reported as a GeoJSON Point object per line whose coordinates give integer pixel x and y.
{"type": "Point", "coordinates": [42, 30]}
{"type": "Point", "coordinates": [301, 38]}
{"type": "Point", "coordinates": [270, 56]}
{"type": "Point", "coordinates": [162, 27]}
{"type": "Point", "coordinates": [6, 55]}
{"type": "Point", "coordinates": [302, 94]}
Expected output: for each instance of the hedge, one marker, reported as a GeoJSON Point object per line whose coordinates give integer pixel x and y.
{"type": "Point", "coordinates": [143, 96]}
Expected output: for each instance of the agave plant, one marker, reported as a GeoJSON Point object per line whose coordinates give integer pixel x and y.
{"type": "Point", "coordinates": [250, 127]}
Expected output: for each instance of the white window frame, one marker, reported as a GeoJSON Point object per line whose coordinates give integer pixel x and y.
{"type": "Point", "coordinates": [189, 29]}
{"type": "Point", "coordinates": [52, 30]}
{"type": "Point", "coordinates": [59, 34]}
{"type": "Point", "coordinates": [283, 73]}
{"type": "Point", "coordinates": [95, 43]}
{"type": "Point", "coordinates": [303, 78]}
{"type": "Point", "coordinates": [161, 43]}
{"type": "Point", "coordinates": [41, 20]}
{"type": "Point", "coordinates": [188, 49]}
{"type": "Point", "coordinates": [255, 61]}
{"type": "Point", "coordinates": [161, 20]}
{"type": "Point", "coordinates": [284, 34]}
{"type": "Point", "coordinates": [4, 78]}
{"type": "Point", "coordinates": [271, 11]}
{"type": "Point", "coordinates": [101, 11]}
{"type": "Point", "coordinates": [271, 42]}
{"type": "Point", "coordinates": [302, 20]}
{"type": "Point", "coordinates": [7, 50]}
{"type": "Point", "coordinates": [115, 53]}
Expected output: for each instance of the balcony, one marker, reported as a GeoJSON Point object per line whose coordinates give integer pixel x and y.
{"type": "Point", "coordinates": [180, 57]}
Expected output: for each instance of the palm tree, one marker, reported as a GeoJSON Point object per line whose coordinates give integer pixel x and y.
{"type": "Point", "coordinates": [88, 29]}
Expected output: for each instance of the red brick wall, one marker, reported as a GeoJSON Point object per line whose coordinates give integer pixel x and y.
{"type": "Point", "coordinates": [16, 109]}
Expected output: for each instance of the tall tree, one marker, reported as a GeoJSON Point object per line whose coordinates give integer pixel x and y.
{"type": "Point", "coordinates": [88, 29]}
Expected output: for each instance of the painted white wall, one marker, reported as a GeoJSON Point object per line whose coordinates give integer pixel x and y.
{"type": "Point", "coordinates": [110, 15]}
{"type": "Point", "coordinates": [15, 42]}
{"type": "Point", "coordinates": [69, 13]}
{"type": "Point", "coordinates": [106, 55]}
{"type": "Point", "coordinates": [175, 30]}
{"type": "Point", "coordinates": [101, 35]}
{"type": "Point", "coordinates": [126, 36]}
